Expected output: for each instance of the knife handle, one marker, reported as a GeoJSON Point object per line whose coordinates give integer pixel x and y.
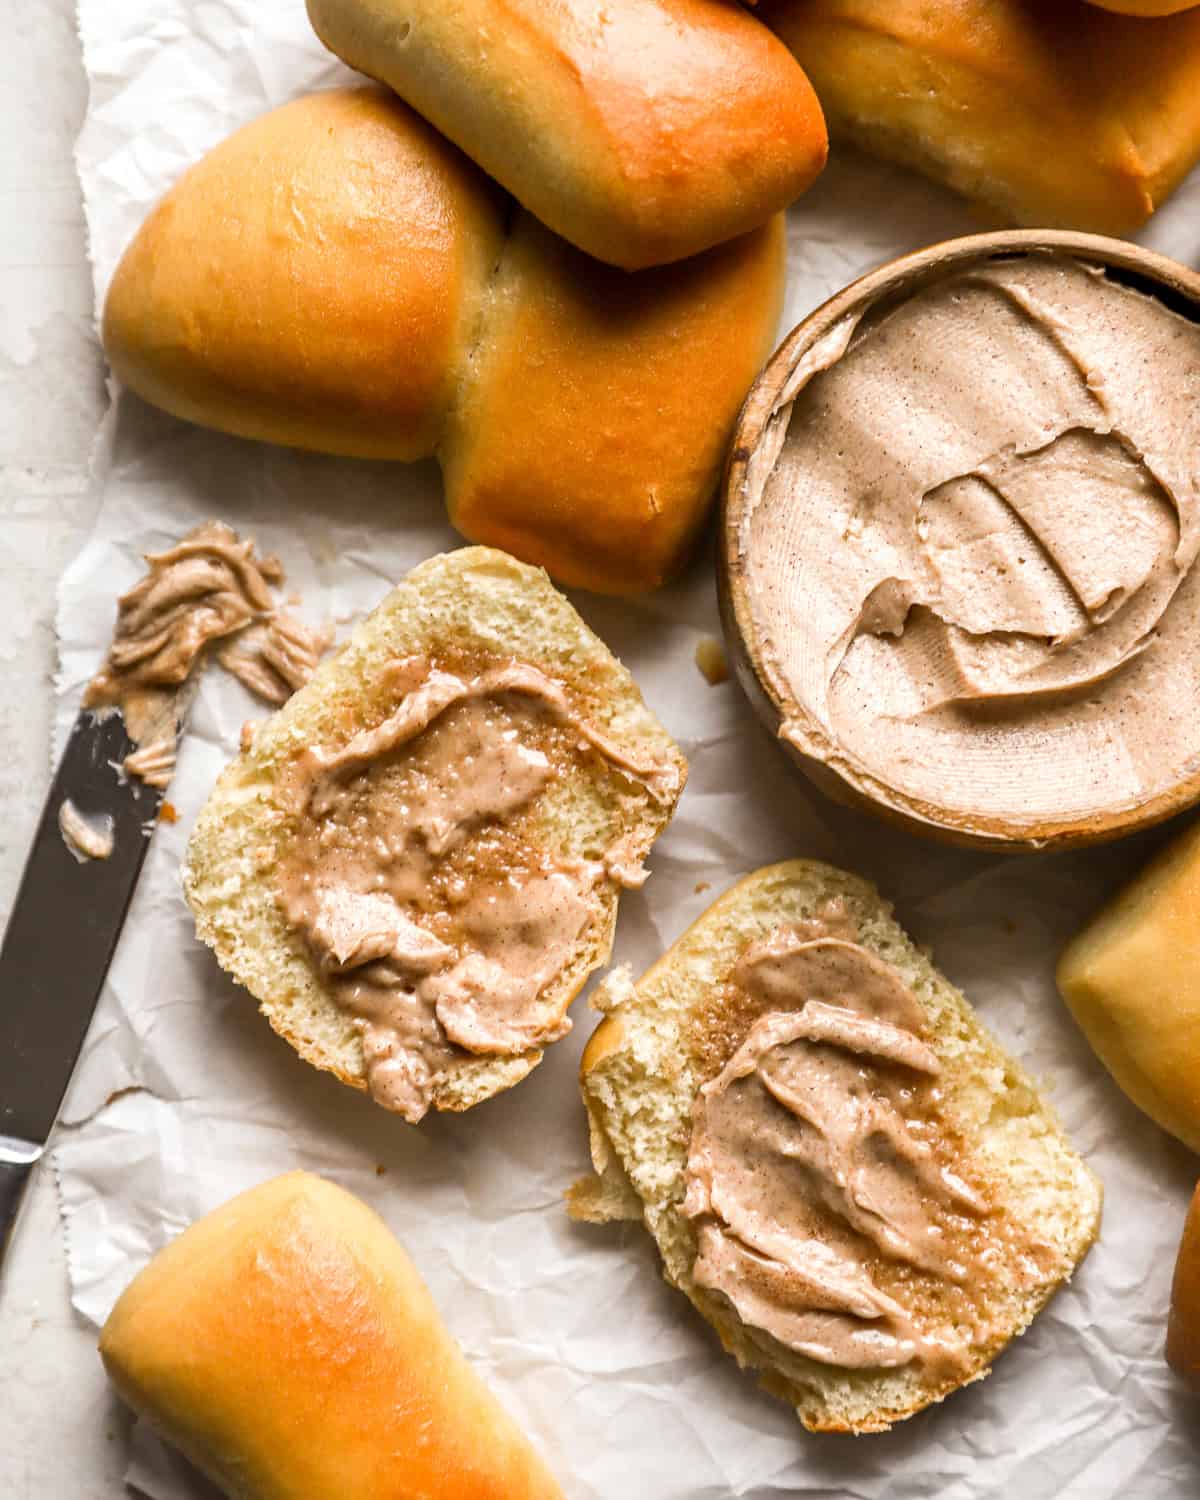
{"type": "Point", "coordinates": [17, 1161]}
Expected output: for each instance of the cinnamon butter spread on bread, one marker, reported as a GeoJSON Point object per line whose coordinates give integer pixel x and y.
{"type": "Point", "coordinates": [842, 1171]}
{"type": "Point", "coordinates": [967, 549]}
{"type": "Point", "coordinates": [829, 1199]}
{"type": "Point", "coordinates": [417, 878]}
{"type": "Point", "coordinates": [416, 864]}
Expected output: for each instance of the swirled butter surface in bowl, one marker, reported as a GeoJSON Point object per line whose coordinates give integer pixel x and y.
{"type": "Point", "coordinates": [960, 535]}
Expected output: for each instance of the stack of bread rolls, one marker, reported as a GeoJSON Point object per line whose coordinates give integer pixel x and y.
{"type": "Point", "coordinates": [336, 276]}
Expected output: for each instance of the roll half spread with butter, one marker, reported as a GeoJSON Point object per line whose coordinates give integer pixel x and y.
{"type": "Point", "coordinates": [414, 871]}
{"type": "Point", "coordinates": [967, 544]}
{"type": "Point", "coordinates": [836, 1210]}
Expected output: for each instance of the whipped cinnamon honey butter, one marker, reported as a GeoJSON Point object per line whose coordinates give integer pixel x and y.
{"type": "Point", "coordinates": [969, 544]}
{"type": "Point", "coordinates": [835, 1208]}
{"type": "Point", "coordinates": [418, 873]}
{"type": "Point", "coordinates": [211, 587]}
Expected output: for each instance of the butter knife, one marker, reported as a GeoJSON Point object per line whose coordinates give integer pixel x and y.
{"type": "Point", "coordinates": [64, 926]}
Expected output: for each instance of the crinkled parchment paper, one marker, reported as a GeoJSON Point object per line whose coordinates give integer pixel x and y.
{"type": "Point", "coordinates": [185, 1096]}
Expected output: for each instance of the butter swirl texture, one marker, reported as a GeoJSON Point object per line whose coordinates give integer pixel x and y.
{"type": "Point", "coordinates": [818, 1163]}
{"type": "Point", "coordinates": [971, 542]}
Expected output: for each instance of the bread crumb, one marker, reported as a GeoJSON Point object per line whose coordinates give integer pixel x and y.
{"type": "Point", "coordinates": [380, 1169]}
{"type": "Point", "coordinates": [247, 737]}
{"type": "Point", "coordinates": [710, 658]}
{"type": "Point", "coordinates": [702, 886]}
{"type": "Point", "coordinates": [615, 988]}
{"type": "Point", "coordinates": [168, 813]}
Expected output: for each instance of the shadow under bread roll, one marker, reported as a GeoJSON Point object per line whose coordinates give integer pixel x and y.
{"type": "Point", "coordinates": [1049, 111]}
{"type": "Point", "coordinates": [1145, 7]}
{"type": "Point", "coordinates": [286, 1344]}
{"type": "Point", "coordinates": [335, 276]}
{"type": "Point", "coordinates": [1183, 1328]}
{"type": "Point", "coordinates": [642, 131]}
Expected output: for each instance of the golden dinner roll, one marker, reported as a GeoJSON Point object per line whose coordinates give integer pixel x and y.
{"type": "Point", "coordinates": [593, 423]}
{"type": "Point", "coordinates": [1183, 1327]}
{"type": "Point", "coordinates": [1132, 981]}
{"type": "Point", "coordinates": [642, 132]}
{"type": "Point", "coordinates": [1050, 112]}
{"type": "Point", "coordinates": [336, 276]}
{"type": "Point", "coordinates": [287, 1345]}
{"type": "Point", "coordinates": [314, 280]}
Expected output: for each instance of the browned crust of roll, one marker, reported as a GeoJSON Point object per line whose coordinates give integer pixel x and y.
{"type": "Point", "coordinates": [642, 133]}
{"type": "Point", "coordinates": [287, 1345]}
{"type": "Point", "coordinates": [1049, 113]}
{"type": "Point", "coordinates": [592, 430]}
{"type": "Point", "coordinates": [315, 280]}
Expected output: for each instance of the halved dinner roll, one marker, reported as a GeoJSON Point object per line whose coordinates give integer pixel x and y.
{"type": "Point", "coordinates": [415, 864]}
{"type": "Point", "coordinates": [842, 1170]}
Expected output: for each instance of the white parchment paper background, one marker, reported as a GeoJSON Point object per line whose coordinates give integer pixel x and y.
{"type": "Point", "coordinates": [184, 1096]}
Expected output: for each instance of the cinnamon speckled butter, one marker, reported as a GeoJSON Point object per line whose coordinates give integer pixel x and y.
{"type": "Point", "coordinates": [969, 552]}
{"type": "Point", "coordinates": [418, 884]}
{"type": "Point", "coordinates": [833, 1208]}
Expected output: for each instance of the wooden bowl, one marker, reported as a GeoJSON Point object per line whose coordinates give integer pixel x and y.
{"type": "Point", "coordinates": [763, 421]}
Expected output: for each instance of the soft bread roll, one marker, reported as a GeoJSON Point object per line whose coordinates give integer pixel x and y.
{"type": "Point", "coordinates": [1052, 113]}
{"type": "Point", "coordinates": [286, 1344]}
{"type": "Point", "coordinates": [473, 604]}
{"type": "Point", "coordinates": [1132, 980]}
{"type": "Point", "coordinates": [315, 280]}
{"type": "Point", "coordinates": [642, 1071]}
{"type": "Point", "coordinates": [586, 371]}
{"type": "Point", "coordinates": [1183, 1328]}
{"type": "Point", "coordinates": [642, 132]}
{"type": "Point", "coordinates": [336, 276]}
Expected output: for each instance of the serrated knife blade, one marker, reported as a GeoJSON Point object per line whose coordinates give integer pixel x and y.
{"type": "Point", "coordinates": [60, 940]}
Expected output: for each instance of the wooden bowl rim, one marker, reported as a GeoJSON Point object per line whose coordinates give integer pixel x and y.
{"type": "Point", "coordinates": [745, 647]}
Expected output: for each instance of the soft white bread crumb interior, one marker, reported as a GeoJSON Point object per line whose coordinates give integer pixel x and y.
{"type": "Point", "coordinates": [475, 603]}
{"type": "Point", "coordinates": [642, 1070]}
